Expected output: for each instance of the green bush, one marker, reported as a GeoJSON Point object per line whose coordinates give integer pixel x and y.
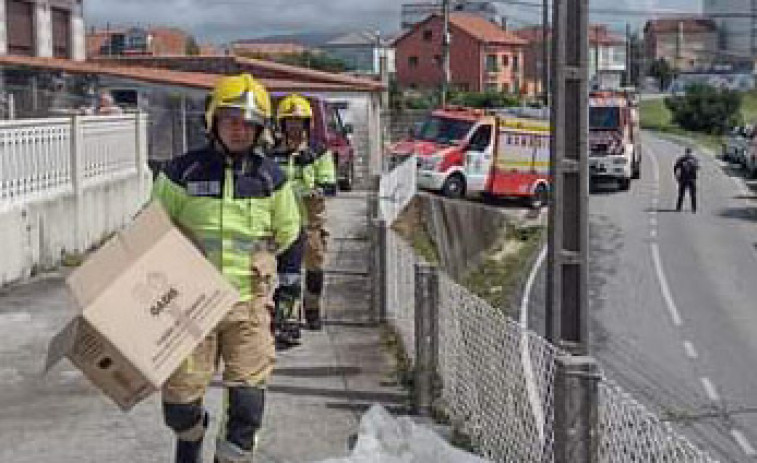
{"type": "Point", "coordinates": [706, 109]}
{"type": "Point", "coordinates": [483, 99]}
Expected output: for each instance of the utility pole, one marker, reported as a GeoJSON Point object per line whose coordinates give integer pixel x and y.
{"type": "Point", "coordinates": [679, 40]}
{"type": "Point", "coordinates": [596, 54]}
{"type": "Point", "coordinates": [545, 68]}
{"type": "Point", "coordinates": [445, 52]}
{"type": "Point", "coordinates": [629, 61]}
{"type": "Point", "coordinates": [576, 381]}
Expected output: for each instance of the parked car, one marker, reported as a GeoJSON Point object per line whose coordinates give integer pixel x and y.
{"type": "Point", "coordinates": [737, 144]}
{"type": "Point", "coordinates": [750, 161]}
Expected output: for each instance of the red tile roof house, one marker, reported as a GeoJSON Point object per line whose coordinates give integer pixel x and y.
{"type": "Point", "coordinates": [483, 56]}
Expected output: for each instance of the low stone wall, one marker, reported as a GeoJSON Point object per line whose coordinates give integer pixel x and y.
{"type": "Point", "coordinates": [462, 232]}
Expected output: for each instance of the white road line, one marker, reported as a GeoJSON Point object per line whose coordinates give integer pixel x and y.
{"type": "Point", "coordinates": [709, 388]}
{"type": "Point", "coordinates": [653, 234]}
{"type": "Point", "coordinates": [525, 350]}
{"type": "Point", "coordinates": [743, 443]}
{"type": "Point", "coordinates": [675, 315]}
{"type": "Point", "coordinates": [653, 222]}
{"type": "Point", "coordinates": [655, 172]}
{"type": "Point", "coordinates": [524, 301]}
{"type": "Point", "coordinates": [691, 352]}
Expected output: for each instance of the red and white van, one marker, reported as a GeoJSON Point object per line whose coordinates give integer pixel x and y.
{"type": "Point", "coordinates": [466, 152]}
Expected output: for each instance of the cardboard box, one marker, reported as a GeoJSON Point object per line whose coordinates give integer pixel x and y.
{"type": "Point", "coordinates": [147, 299]}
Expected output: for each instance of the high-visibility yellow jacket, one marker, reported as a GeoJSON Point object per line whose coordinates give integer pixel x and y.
{"type": "Point", "coordinates": [230, 208]}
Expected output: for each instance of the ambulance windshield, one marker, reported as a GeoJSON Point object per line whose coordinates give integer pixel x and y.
{"type": "Point", "coordinates": [444, 130]}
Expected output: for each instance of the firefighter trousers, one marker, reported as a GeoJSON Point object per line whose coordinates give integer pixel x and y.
{"type": "Point", "coordinates": [315, 254]}
{"type": "Point", "coordinates": [242, 340]}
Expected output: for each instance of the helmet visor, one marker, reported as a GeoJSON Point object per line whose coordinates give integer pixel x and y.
{"type": "Point", "coordinates": [243, 106]}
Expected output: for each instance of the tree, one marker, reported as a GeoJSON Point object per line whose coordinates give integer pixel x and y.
{"type": "Point", "coordinates": [192, 48]}
{"type": "Point", "coordinates": [662, 71]}
{"type": "Point", "coordinates": [307, 59]}
{"type": "Point", "coordinates": [706, 109]}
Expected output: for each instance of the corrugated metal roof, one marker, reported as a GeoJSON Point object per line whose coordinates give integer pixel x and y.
{"type": "Point", "coordinates": [165, 77]}
{"type": "Point", "coordinates": [258, 67]}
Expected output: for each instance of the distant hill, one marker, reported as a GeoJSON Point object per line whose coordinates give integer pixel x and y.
{"type": "Point", "coordinates": [311, 40]}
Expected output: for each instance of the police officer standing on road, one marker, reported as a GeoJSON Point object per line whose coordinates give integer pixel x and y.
{"type": "Point", "coordinates": [237, 206]}
{"type": "Point", "coordinates": [685, 172]}
{"type": "Point", "coordinates": [316, 178]}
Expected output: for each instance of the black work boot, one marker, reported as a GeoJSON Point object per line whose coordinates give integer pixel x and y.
{"type": "Point", "coordinates": [188, 451]}
{"type": "Point", "coordinates": [313, 319]}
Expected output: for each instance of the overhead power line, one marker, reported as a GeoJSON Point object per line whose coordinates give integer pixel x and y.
{"type": "Point", "coordinates": [638, 12]}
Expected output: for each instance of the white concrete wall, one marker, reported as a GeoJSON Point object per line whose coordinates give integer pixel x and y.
{"type": "Point", "coordinates": [43, 25]}
{"type": "Point", "coordinates": [38, 233]}
{"type": "Point", "coordinates": [67, 186]}
{"type": "Point", "coordinates": [78, 34]}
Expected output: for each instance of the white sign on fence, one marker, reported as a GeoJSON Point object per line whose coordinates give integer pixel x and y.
{"type": "Point", "coordinates": [397, 188]}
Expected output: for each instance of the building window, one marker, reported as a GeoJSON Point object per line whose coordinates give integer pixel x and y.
{"type": "Point", "coordinates": [491, 87]}
{"type": "Point", "coordinates": [506, 87]}
{"type": "Point", "coordinates": [515, 63]}
{"type": "Point", "coordinates": [438, 60]}
{"type": "Point", "coordinates": [412, 61]}
{"type": "Point", "coordinates": [491, 63]}
{"type": "Point", "coordinates": [428, 36]}
{"type": "Point", "coordinates": [505, 60]}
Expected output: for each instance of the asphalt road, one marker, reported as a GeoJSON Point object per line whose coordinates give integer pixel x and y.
{"type": "Point", "coordinates": [672, 300]}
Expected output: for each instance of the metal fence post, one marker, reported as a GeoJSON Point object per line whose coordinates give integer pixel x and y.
{"type": "Point", "coordinates": [576, 410]}
{"type": "Point", "coordinates": [376, 271]}
{"type": "Point", "coordinates": [11, 106]}
{"type": "Point", "coordinates": [426, 336]}
{"type": "Point", "coordinates": [77, 180]}
{"type": "Point", "coordinates": [141, 154]}
{"type": "Point", "coordinates": [382, 228]}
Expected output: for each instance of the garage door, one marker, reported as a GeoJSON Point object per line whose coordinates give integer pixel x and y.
{"type": "Point", "coordinates": [20, 28]}
{"type": "Point", "coordinates": [61, 33]}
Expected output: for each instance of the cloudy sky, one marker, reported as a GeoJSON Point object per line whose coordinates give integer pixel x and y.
{"type": "Point", "coordinates": [220, 21]}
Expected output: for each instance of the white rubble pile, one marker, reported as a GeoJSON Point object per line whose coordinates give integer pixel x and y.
{"type": "Point", "coordinates": [385, 439]}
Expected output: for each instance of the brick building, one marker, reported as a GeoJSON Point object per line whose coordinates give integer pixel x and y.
{"type": "Point", "coordinates": [686, 44]}
{"type": "Point", "coordinates": [483, 56]}
{"type": "Point", "coordinates": [157, 41]}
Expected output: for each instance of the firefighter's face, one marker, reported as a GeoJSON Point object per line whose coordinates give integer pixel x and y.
{"type": "Point", "coordinates": [235, 132]}
{"type": "Point", "coordinates": [294, 131]}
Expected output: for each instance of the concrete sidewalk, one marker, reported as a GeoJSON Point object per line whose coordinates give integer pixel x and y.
{"type": "Point", "coordinates": [316, 397]}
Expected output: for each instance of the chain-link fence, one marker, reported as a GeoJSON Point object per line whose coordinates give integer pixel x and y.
{"type": "Point", "coordinates": [494, 380]}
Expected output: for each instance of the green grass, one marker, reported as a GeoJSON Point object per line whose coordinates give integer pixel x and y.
{"type": "Point", "coordinates": [656, 116]}
{"type": "Point", "coordinates": [498, 276]}
{"type": "Point", "coordinates": [749, 107]}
